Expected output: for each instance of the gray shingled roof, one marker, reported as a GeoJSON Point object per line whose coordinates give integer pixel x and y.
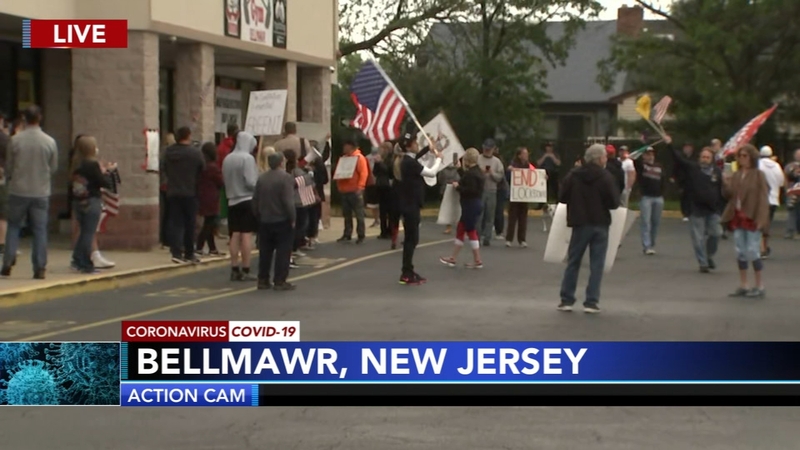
{"type": "Point", "coordinates": [576, 80]}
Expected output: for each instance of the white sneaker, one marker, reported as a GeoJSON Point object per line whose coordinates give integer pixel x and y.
{"type": "Point", "coordinates": [508, 244]}
{"type": "Point", "coordinates": [685, 219]}
{"type": "Point", "coordinates": [523, 244]}
{"type": "Point", "coordinates": [499, 237]}
{"type": "Point", "coordinates": [100, 262]}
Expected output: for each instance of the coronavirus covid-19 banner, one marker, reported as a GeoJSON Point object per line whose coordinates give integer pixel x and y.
{"type": "Point", "coordinates": [229, 363]}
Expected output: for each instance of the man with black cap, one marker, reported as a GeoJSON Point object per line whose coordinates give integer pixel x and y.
{"type": "Point", "coordinates": [410, 199]}
{"type": "Point", "coordinates": [495, 173]}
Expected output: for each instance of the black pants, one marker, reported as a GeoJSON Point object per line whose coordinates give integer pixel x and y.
{"type": "Point", "coordinates": [552, 187]}
{"type": "Point", "coordinates": [274, 239]}
{"type": "Point", "coordinates": [411, 220]}
{"type": "Point", "coordinates": [182, 219]}
{"type": "Point", "coordinates": [314, 216]}
{"type": "Point", "coordinates": [385, 209]}
{"type": "Point", "coordinates": [206, 235]}
{"type": "Point", "coordinates": [300, 228]}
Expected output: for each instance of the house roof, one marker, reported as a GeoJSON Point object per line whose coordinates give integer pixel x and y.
{"type": "Point", "coordinates": [576, 80]}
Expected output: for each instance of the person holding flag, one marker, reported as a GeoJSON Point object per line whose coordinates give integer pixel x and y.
{"type": "Point", "coordinates": [411, 198]}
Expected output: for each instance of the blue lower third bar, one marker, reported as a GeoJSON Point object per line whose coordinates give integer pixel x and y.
{"type": "Point", "coordinates": [188, 394]}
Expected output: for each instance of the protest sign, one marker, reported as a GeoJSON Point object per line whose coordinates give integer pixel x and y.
{"type": "Point", "coordinates": [227, 109]}
{"type": "Point", "coordinates": [529, 186]}
{"type": "Point", "coordinates": [345, 168]}
{"type": "Point", "coordinates": [265, 112]}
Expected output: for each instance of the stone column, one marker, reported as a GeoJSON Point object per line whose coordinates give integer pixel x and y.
{"type": "Point", "coordinates": [194, 90]}
{"type": "Point", "coordinates": [55, 103]}
{"type": "Point", "coordinates": [115, 98]}
{"type": "Point", "coordinates": [283, 75]}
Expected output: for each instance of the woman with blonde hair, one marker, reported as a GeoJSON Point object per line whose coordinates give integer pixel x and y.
{"type": "Point", "coordinates": [470, 189]}
{"type": "Point", "coordinates": [87, 180]}
{"type": "Point", "coordinates": [262, 157]}
{"type": "Point", "coordinates": [747, 216]}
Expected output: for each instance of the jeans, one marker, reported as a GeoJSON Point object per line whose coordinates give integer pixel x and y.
{"type": "Point", "coordinates": [33, 210]}
{"type": "Point", "coordinates": [705, 231]}
{"type": "Point", "coordinates": [499, 219]}
{"type": "Point", "coordinates": [650, 209]}
{"type": "Point", "coordinates": [274, 238]}
{"type": "Point", "coordinates": [486, 223]}
{"type": "Point", "coordinates": [596, 239]}
{"type": "Point", "coordinates": [353, 204]}
{"type": "Point", "coordinates": [182, 222]}
{"type": "Point", "coordinates": [411, 230]}
{"type": "Point", "coordinates": [87, 214]}
{"type": "Point", "coordinates": [748, 246]}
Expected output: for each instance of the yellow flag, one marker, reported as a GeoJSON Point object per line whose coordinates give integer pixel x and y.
{"type": "Point", "coordinates": [643, 106]}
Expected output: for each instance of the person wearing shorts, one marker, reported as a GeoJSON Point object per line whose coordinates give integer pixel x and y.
{"type": "Point", "coordinates": [240, 174]}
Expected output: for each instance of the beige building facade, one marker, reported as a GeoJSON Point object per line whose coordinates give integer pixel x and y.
{"type": "Point", "coordinates": [188, 63]}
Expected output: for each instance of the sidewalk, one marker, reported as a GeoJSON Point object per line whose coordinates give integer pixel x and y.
{"type": "Point", "coordinates": [132, 268]}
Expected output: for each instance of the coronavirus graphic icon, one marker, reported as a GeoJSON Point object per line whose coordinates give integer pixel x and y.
{"type": "Point", "coordinates": [32, 384]}
{"type": "Point", "coordinates": [89, 372]}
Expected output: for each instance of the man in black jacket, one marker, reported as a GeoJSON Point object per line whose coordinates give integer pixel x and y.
{"type": "Point", "coordinates": [614, 167]}
{"type": "Point", "coordinates": [589, 192]}
{"type": "Point", "coordinates": [702, 184]}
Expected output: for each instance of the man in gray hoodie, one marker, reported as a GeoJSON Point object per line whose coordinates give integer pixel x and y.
{"type": "Point", "coordinates": [494, 172]}
{"type": "Point", "coordinates": [183, 164]}
{"type": "Point", "coordinates": [31, 161]}
{"type": "Point", "coordinates": [240, 173]}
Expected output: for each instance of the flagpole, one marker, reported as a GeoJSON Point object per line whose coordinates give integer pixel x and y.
{"type": "Point", "coordinates": [402, 100]}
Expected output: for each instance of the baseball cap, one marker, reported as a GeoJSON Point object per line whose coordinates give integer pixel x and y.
{"type": "Point", "coordinates": [406, 140]}
{"type": "Point", "coordinates": [766, 151]}
{"type": "Point", "coordinates": [489, 144]}
{"type": "Point", "coordinates": [650, 149]}
{"type": "Point", "coordinates": [623, 148]}
{"type": "Point", "coordinates": [611, 150]}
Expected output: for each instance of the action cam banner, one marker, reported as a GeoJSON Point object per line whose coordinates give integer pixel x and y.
{"type": "Point", "coordinates": [462, 362]}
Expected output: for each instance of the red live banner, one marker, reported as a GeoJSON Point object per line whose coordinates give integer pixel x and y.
{"type": "Point", "coordinates": [107, 33]}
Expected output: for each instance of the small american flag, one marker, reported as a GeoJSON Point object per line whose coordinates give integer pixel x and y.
{"type": "Point", "coordinates": [110, 199]}
{"type": "Point", "coordinates": [660, 109]}
{"type": "Point", "coordinates": [380, 108]}
{"type": "Point", "coordinates": [307, 194]}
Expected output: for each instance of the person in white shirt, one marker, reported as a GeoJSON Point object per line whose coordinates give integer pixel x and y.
{"type": "Point", "coordinates": [630, 174]}
{"type": "Point", "coordinates": [773, 172]}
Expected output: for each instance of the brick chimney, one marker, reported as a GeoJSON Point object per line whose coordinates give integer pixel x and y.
{"type": "Point", "coordinates": [630, 20]}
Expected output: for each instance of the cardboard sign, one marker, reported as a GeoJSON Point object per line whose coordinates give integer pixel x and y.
{"type": "Point", "coordinates": [265, 112]}
{"type": "Point", "coordinates": [227, 109]}
{"type": "Point", "coordinates": [528, 186]}
{"type": "Point", "coordinates": [560, 236]}
{"type": "Point", "coordinates": [345, 168]}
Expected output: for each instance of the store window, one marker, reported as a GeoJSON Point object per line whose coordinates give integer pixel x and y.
{"type": "Point", "coordinates": [166, 101]}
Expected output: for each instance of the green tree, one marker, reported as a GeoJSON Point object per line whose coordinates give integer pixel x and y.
{"type": "Point", "coordinates": [728, 60]}
{"type": "Point", "coordinates": [485, 66]}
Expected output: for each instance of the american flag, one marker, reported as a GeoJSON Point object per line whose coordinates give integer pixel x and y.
{"type": "Point", "coordinates": [660, 109]}
{"type": "Point", "coordinates": [306, 191]}
{"type": "Point", "coordinates": [110, 199]}
{"type": "Point", "coordinates": [380, 108]}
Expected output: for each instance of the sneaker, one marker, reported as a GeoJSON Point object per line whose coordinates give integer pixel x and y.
{"type": "Point", "coordinates": [420, 279]}
{"type": "Point", "coordinates": [508, 243]}
{"type": "Point", "coordinates": [685, 219]}
{"type": "Point", "coordinates": [293, 265]}
{"type": "Point", "coordinates": [308, 247]}
{"type": "Point", "coordinates": [236, 276]}
{"type": "Point", "coordinates": [298, 254]}
{"type": "Point", "coordinates": [344, 239]}
{"type": "Point", "coordinates": [360, 240]}
{"type": "Point", "coordinates": [5, 271]}
{"type": "Point", "coordinates": [487, 243]}
{"type": "Point", "coordinates": [756, 293]}
{"type": "Point", "coordinates": [565, 307]}
{"type": "Point", "coordinates": [591, 309]}
{"type": "Point", "coordinates": [179, 260]}
{"type": "Point", "coordinates": [704, 269]}
{"type": "Point", "coordinates": [215, 253]}
{"type": "Point", "coordinates": [100, 262]}
{"type": "Point", "coordinates": [766, 254]}
{"type": "Point", "coordinates": [499, 237]}
{"type": "Point", "coordinates": [285, 286]}
{"type": "Point", "coordinates": [711, 264]}
{"type": "Point", "coordinates": [739, 292]}
{"type": "Point", "coordinates": [193, 260]}
{"type": "Point", "coordinates": [447, 261]}
{"type": "Point", "coordinates": [264, 285]}
{"type": "Point", "coordinates": [650, 252]}
{"type": "Point", "coordinates": [394, 246]}
{"type": "Point", "coordinates": [523, 244]}
{"type": "Point", "coordinates": [474, 265]}
{"type": "Point", "coordinates": [409, 280]}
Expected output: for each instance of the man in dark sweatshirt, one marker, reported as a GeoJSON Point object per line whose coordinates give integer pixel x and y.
{"type": "Point", "coordinates": [274, 208]}
{"type": "Point", "coordinates": [702, 184]}
{"type": "Point", "coordinates": [183, 164]}
{"type": "Point", "coordinates": [650, 176]}
{"type": "Point", "coordinates": [589, 192]}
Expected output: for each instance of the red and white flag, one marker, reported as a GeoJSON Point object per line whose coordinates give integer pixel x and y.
{"type": "Point", "coordinates": [747, 132]}
{"type": "Point", "coordinates": [306, 191]}
{"type": "Point", "coordinates": [110, 208]}
{"type": "Point", "coordinates": [660, 110]}
{"type": "Point", "coordinates": [380, 108]}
